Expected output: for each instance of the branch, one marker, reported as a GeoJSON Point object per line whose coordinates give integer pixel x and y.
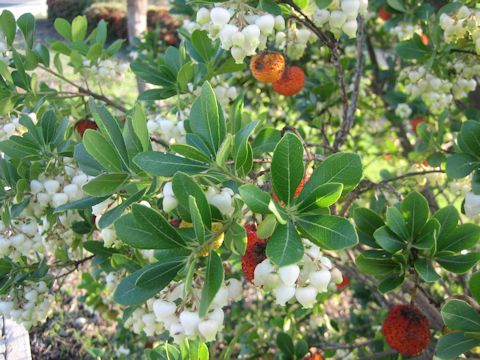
{"type": "Point", "coordinates": [84, 91]}
{"type": "Point", "coordinates": [347, 124]}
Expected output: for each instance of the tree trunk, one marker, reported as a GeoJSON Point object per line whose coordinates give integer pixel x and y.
{"type": "Point", "coordinates": [136, 25]}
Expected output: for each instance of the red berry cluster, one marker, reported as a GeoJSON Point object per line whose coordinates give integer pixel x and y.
{"type": "Point", "coordinates": [406, 330]}
{"type": "Point", "coordinates": [255, 252]}
{"type": "Point", "coordinates": [82, 125]}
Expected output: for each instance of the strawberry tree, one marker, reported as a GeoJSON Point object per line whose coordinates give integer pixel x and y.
{"type": "Point", "coordinates": [287, 158]}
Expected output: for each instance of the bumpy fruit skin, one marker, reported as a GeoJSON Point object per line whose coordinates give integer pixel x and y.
{"type": "Point", "coordinates": [415, 122]}
{"type": "Point", "coordinates": [82, 125]}
{"type": "Point", "coordinates": [406, 330]}
{"type": "Point", "coordinates": [344, 283]}
{"type": "Point", "coordinates": [384, 14]}
{"type": "Point", "coordinates": [254, 254]}
{"type": "Point", "coordinates": [291, 82]}
{"type": "Point", "coordinates": [316, 356]}
{"type": "Point", "coordinates": [267, 67]}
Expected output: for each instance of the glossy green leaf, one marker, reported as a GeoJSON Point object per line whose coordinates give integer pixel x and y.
{"type": "Point", "coordinates": [415, 211]}
{"type": "Point", "coordinates": [105, 184]}
{"type": "Point", "coordinates": [165, 164]}
{"type": "Point", "coordinates": [213, 281]}
{"type": "Point", "coordinates": [424, 268]}
{"type": "Point", "coordinates": [459, 315]}
{"type": "Point", "coordinates": [388, 240]}
{"type": "Point", "coordinates": [285, 246]}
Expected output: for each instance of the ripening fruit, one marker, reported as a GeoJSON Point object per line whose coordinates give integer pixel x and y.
{"type": "Point", "coordinates": [344, 283]}
{"type": "Point", "coordinates": [415, 122]}
{"type": "Point", "coordinates": [406, 330]}
{"type": "Point", "coordinates": [291, 82]}
{"type": "Point", "coordinates": [424, 39]}
{"type": "Point", "coordinates": [314, 356]}
{"type": "Point", "coordinates": [82, 125]}
{"type": "Point", "coordinates": [267, 66]}
{"type": "Point", "coordinates": [254, 254]}
{"type": "Point", "coordinates": [384, 14]}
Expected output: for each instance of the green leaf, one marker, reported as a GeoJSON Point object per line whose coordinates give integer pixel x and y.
{"type": "Point", "coordinates": [285, 344]}
{"type": "Point", "coordinates": [256, 199]}
{"type": "Point", "coordinates": [153, 222]}
{"type": "Point", "coordinates": [323, 4]}
{"type": "Point", "coordinates": [206, 118]}
{"type": "Point", "coordinates": [397, 5]}
{"type": "Point", "coordinates": [110, 216]}
{"type": "Point", "coordinates": [190, 152]}
{"type": "Point", "coordinates": [94, 52]}
{"type": "Point", "coordinates": [128, 294]}
{"type": "Point", "coordinates": [328, 231]}
{"type": "Point", "coordinates": [213, 281]}
{"type": "Point", "coordinates": [184, 187]}
{"type": "Point", "coordinates": [415, 211]}
{"type": "Point", "coordinates": [165, 164]}
{"type": "Point", "coordinates": [465, 236]}
{"type": "Point", "coordinates": [427, 238]}
{"type": "Point", "coordinates": [460, 165]}
{"type": "Point", "coordinates": [225, 150]}
{"type": "Point", "coordinates": [105, 184]}
{"type": "Point", "coordinates": [396, 223]}
{"type": "Point", "coordinates": [458, 264]}
{"type": "Point", "coordinates": [425, 269]}
{"type": "Point", "coordinates": [86, 162]}
{"type": "Point", "coordinates": [474, 285]}
{"type": "Point", "coordinates": [159, 275]}
{"type": "Point", "coordinates": [287, 167]}
{"type": "Point", "coordinates": [111, 130]}
{"type": "Point", "coordinates": [266, 228]}
{"type": "Point", "coordinates": [367, 220]}
{"type": "Point", "coordinates": [203, 45]}
{"type": "Point", "coordinates": [392, 282]}
{"type": "Point", "coordinates": [343, 168]}
{"type": "Point", "coordinates": [8, 26]}
{"type": "Point", "coordinates": [413, 49]}
{"type": "Point", "coordinates": [79, 28]}
{"type": "Point", "coordinates": [185, 75]}
{"type": "Point", "coordinates": [243, 150]}
{"type": "Point", "coordinates": [388, 240]}
{"type": "Point", "coordinates": [101, 150]}
{"type": "Point", "coordinates": [270, 6]}
{"type": "Point", "coordinates": [376, 263]}
{"type": "Point", "coordinates": [196, 220]}
{"type": "Point", "coordinates": [64, 28]}
{"type": "Point", "coordinates": [285, 246]}
{"type": "Point", "coordinates": [322, 196]}
{"type": "Point", "coordinates": [26, 24]}
{"type": "Point", "coordinates": [448, 218]}
{"type": "Point", "coordinates": [139, 123]}
{"type": "Point", "coordinates": [85, 203]}
{"type": "Point", "coordinates": [469, 138]}
{"type": "Point", "coordinates": [459, 315]}
{"type": "Point", "coordinates": [451, 346]}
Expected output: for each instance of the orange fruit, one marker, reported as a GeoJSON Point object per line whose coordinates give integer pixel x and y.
{"type": "Point", "coordinates": [384, 14]}
{"type": "Point", "coordinates": [291, 82]}
{"type": "Point", "coordinates": [267, 66]}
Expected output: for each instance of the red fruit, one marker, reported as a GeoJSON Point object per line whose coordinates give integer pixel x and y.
{"type": "Point", "coordinates": [415, 122]}
{"type": "Point", "coordinates": [82, 125]}
{"type": "Point", "coordinates": [254, 254]}
{"type": "Point", "coordinates": [406, 330]}
{"type": "Point", "coordinates": [344, 283]}
{"type": "Point", "coordinates": [424, 39]}
{"type": "Point", "coordinates": [291, 82]}
{"type": "Point", "coordinates": [316, 356]}
{"type": "Point", "coordinates": [384, 14]}
{"type": "Point", "coordinates": [267, 66]}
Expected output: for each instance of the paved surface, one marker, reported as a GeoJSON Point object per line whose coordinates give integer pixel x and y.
{"type": "Point", "coordinates": [19, 7]}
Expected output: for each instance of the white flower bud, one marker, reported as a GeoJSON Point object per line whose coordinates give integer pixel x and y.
{"type": "Point", "coordinates": [59, 199]}
{"type": "Point", "coordinates": [320, 279]}
{"type": "Point", "coordinates": [289, 274]}
{"type": "Point", "coordinates": [169, 203]}
{"type": "Point", "coordinates": [337, 19]}
{"type": "Point", "coordinates": [337, 276]}
{"type": "Point", "coordinates": [283, 294]}
{"type": "Point", "coordinates": [279, 23]}
{"type": "Point", "coordinates": [262, 271]}
{"type": "Point", "coordinates": [208, 329]}
{"type": "Point", "coordinates": [472, 205]}
{"type": "Point", "coordinates": [350, 28]}
{"type": "Point", "coordinates": [446, 21]}
{"type": "Point", "coordinates": [252, 33]}
{"type": "Point", "coordinates": [321, 17]}
{"type": "Point", "coordinates": [72, 191]}
{"type": "Point", "coordinates": [226, 35]}
{"type": "Point", "coordinates": [221, 298]}
{"type": "Point", "coordinates": [266, 24]}
{"type": "Point", "coordinates": [51, 186]}
{"type": "Point", "coordinates": [350, 8]}
{"type": "Point", "coordinates": [163, 309]}
{"type": "Point", "coordinates": [36, 186]}
{"type": "Point", "coordinates": [189, 321]}
{"type": "Point", "coordinates": [203, 16]}
{"type": "Point", "coordinates": [220, 16]}
{"type": "Point", "coordinates": [235, 289]}
{"type": "Point", "coordinates": [216, 314]}
{"type": "Point", "coordinates": [306, 296]}
{"type": "Point", "coordinates": [303, 35]}
{"type": "Point", "coordinates": [238, 39]}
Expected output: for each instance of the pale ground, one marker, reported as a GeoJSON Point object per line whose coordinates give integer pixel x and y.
{"type": "Point", "coordinates": [19, 7]}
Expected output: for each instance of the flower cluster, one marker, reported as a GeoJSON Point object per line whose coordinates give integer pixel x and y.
{"type": "Point", "coordinates": [341, 16]}
{"type": "Point", "coordinates": [22, 238]}
{"type": "Point", "coordinates": [28, 304]}
{"type": "Point", "coordinates": [169, 130]}
{"type": "Point", "coordinates": [403, 111]}
{"type": "Point", "coordinates": [168, 312]}
{"type": "Point", "coordinates": [464, 24]}
{"type": "Point", "coordinates": [303, 280]}
{"type": "Point", "coordinates": [105, 70]}
{"type": "Point", "coordinates": [222, 199]}
{"type": "Point", "coordinates": [12, 127]}
{"type": "Point", "coordinates": [405, 31]}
